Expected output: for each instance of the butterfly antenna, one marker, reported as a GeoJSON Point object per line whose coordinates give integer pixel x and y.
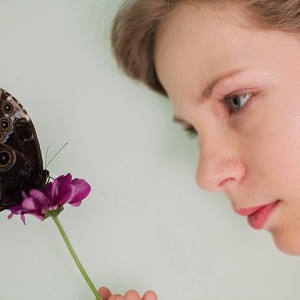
{"type": "Point", "coordinates": [55, 155]}
{"type": "Point", "coordinates": [46, 157]}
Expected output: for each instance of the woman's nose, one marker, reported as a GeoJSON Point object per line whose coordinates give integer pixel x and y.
{"type": "Point", "coordinates": [219, 171]}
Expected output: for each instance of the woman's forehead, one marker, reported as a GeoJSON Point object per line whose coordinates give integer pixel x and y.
{"type": "Point", "coordinates": [188, 13]}
{"type": "Point", "coordinates": [197, 38]}
{"type": "Point", "coordinates": [192, 50]}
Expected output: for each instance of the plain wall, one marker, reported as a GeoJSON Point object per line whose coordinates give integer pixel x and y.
{"type": "Point", "coordinates": [146, 225]}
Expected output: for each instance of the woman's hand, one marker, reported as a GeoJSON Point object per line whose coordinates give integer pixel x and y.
{"type": "Point", "coordinates": [106, 294]}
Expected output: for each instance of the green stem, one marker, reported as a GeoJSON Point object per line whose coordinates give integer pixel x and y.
{"type": "Point", "coordinates": [75, 257]}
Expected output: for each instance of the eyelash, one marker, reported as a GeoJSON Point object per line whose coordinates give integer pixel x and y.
{"type": "Point", "coordinates": [191, 131]}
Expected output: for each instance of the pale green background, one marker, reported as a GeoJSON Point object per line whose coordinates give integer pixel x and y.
{"type": "Point", "coordinates": [146, 225]}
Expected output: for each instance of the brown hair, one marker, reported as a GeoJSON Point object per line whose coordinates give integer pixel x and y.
{"type": "Point", "coordinates": [136, 24]}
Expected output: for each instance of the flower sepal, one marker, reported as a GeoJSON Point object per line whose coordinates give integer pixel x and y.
{"type": "Point", "coordinates": [54, 213]}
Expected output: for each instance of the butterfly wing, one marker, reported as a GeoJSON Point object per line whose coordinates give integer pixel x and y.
{"type": "Point", "coordinates": [21, 165]}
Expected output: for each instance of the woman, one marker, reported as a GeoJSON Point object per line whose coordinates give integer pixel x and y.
{"type": "Point", "coordinates": [231, 71]}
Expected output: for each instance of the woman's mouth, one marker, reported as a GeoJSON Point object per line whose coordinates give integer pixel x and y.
{"type": "Point", "coordinates": [257, 216]}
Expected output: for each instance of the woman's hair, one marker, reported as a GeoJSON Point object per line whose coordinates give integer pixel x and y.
{"type": "Point", "coordinates": [136, 24]}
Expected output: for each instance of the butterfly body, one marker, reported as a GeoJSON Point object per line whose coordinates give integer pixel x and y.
{"type": "Point", "coordinates": [21, 164]}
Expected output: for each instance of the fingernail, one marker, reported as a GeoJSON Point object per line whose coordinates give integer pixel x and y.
{"type": "Point", "coordinates": [119, 298]}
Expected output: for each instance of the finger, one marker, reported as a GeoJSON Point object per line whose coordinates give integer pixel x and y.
{"type": "Point", "coordinates": [104, 292]}
{"type": "Point", "coordinates": [116, 297]}
{"type": "Point", "coordinates": [150, 295]}
{"type": "Point", "coordinates": [132, 295]}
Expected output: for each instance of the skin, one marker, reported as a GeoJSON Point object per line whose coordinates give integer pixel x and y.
{"type": "Point", "coordinates": [248, 125]}
{"type": "Point", "coordinates": [106, 294]}
{"type": "Point", "coordinates": [250, 150]}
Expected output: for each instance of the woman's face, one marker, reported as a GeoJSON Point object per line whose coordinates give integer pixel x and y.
{"type": "Point", "coordinates": [238, 89]}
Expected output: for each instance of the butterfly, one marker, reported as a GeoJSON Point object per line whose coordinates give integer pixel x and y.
{"type": "Point", "coordinates": [21, 163]}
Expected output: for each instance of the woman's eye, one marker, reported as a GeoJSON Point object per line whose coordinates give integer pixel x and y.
{"type": "Point", "coordinates": [191, 131]}
{"type": "Point", "coordinates": [237, 102]}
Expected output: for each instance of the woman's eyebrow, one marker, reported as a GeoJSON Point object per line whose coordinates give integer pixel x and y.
{"type": "Point", "coordinates": [219, 80]}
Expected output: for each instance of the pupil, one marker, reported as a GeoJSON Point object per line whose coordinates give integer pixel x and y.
{"type": "Point", "coordinates": [236, 102]}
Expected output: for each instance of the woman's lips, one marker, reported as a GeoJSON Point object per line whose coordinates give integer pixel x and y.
{"type": "Point", "coordinates": [257, 216]}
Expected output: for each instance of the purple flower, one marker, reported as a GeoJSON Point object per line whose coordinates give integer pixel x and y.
{"type": "Point", "coordinates": [55, 194]}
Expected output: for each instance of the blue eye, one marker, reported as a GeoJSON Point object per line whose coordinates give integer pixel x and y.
{"type": "Point", "coordinates": [237, 102]}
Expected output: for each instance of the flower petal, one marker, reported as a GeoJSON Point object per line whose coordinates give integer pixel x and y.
{"type": "Point", "coordinates": [82, 191]}
{"type": "Point", "coordinates": [23, 219]}
{"type": "Point", "coordinates": [57, 193]}
{"type": "Point", "coordinates": [65, 195]}
{"type": "Point", "coordinates": [38, 200]}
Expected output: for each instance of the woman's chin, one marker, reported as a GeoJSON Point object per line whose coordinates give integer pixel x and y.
{"type": "Point", "coordinates": [287, 241]}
